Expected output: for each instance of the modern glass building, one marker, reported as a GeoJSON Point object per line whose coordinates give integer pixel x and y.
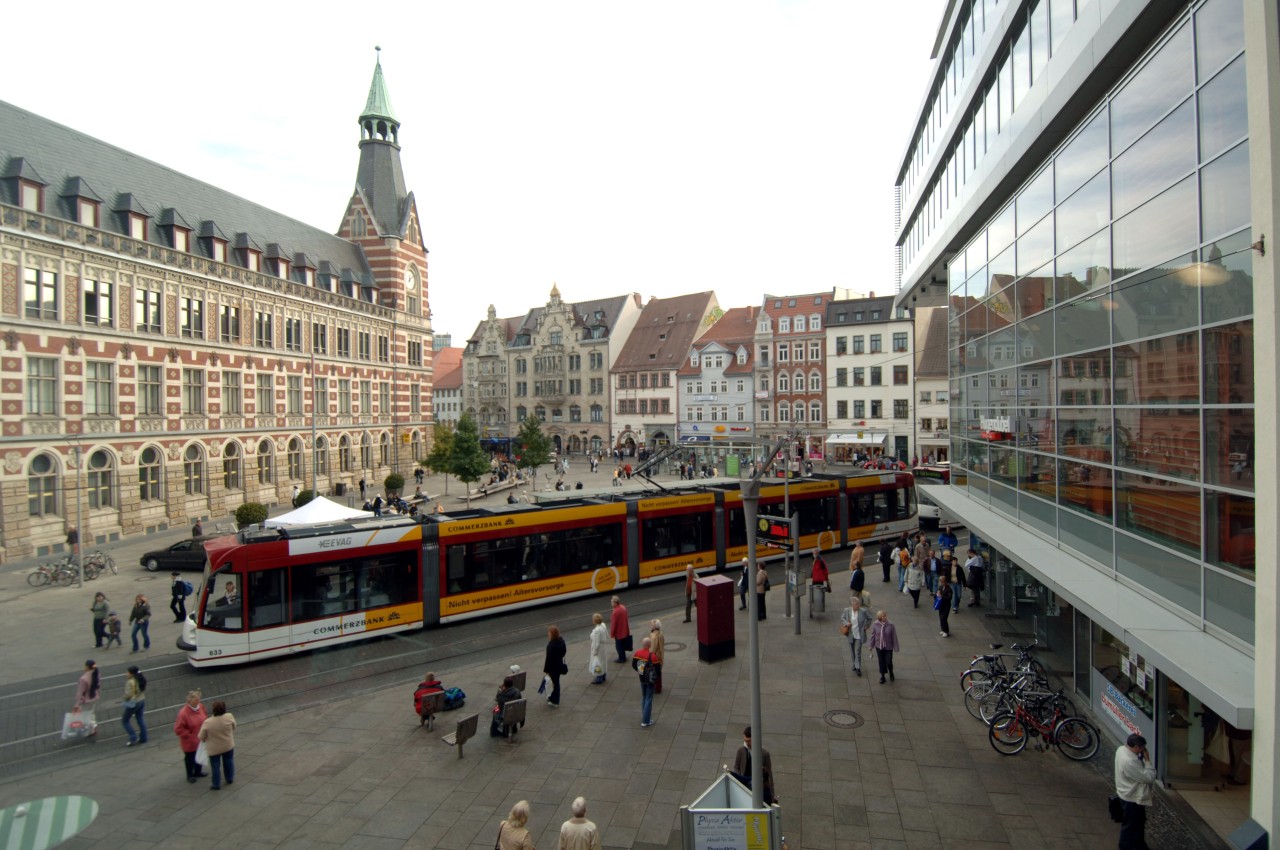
{"type": "Point", "coordinates": [1081, 192]}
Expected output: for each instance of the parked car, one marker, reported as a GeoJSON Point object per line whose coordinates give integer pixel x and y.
{"type": "Point", "coordinates": [183, 555]}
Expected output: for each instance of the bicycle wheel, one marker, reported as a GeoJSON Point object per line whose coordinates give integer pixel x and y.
{"type": "Point", "coordinates": [39, 578]}
{"type": "Point", "coordinates": [1076, 738]}
{"type": "Point", "coordinates": [64, 578]}
{"type": "Point", "coordinates": [1000, 701]}
{"type": "Point", "coordinates": [973, 676]}
{"type": "Point", "coordinates": [1008, 736]}
{"type": "Point", "coordinates": [90, 571]}
{"type": "Point", "coordinates": [111, 564]}
{"type": "Point", "coordinates": [973, 697]}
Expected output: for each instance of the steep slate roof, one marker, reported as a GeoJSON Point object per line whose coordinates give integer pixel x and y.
{"type": "Point", "coordinates": [735, 329]}
{"type": "Point", "coordinates": [862, 305]}
{"type": "Point", "coordinates": [933, 354]}
{"type": "Point", "coordinates": [667, 341]}
{"type": "Point", "coordinates": [61, 154]}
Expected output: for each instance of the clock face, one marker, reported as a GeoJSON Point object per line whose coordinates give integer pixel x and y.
{"type": "Point", "coordinates": [763, 523]}
{"type": "Point", "coordinates": [410, 280]}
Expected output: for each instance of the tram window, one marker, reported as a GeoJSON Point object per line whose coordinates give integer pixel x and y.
{"type": "Point", "coordinates": [328, 590]}
{"type": "Point", "coordinates": [737, 528]}
{"type": "Point", "coordinates": [223, 608]}
{"type": "Point", "coordinates": [816, 515]}
{"type": "Point", "coordinates": [388, 581]}
{"type": "Point", "coordinates": [678, 534]}
{"type": "Point", "coordinates": [862, 508]}
{"type": "Point", "coordinates": [882, 507]}
{"type": "Point", "coordinates": [493, 563]}
{"type": "Point", "coordinates": [266, 598]}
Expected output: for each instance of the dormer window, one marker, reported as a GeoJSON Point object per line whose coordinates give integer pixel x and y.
{"type": "Point", "coordinates": [693, 359]}
{"type": "Point", "coordinates": [87, 212]}
{"type": "Point", "coordinates": [252, 260]}
{"type": "Point", "coordinates": [281, 267]}
{"type": "Point", "coordinates": [309, 277]}
{"type": "Point", "coordinates": [30, 196]}
{"type": "Point", "coordinates": [137, 226]}
{"type": "Point", "coordinates": [218, 250]}
{"type": "Point", "coordinates": [181, 239]}
{"type": "Point", "coordinates": [765, 326]}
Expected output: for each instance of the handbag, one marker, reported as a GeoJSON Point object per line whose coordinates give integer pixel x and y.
{"type": "Point", "coordinates": [845, 629]}
{"type": "Point", "coordinates": [202, 755]}
{"type": "Point", "coordinates": [937, 603]}
{"type": "Point", "coordinates": [129, 703]}
{"type": "Point", "coordinates": [1115, 808]}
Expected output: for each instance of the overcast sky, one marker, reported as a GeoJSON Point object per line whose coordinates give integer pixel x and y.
{"type": "Point", "coordinates": [659, 147]}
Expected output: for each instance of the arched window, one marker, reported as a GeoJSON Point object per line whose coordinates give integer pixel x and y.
{"type": "Point", "coordinates": [797, 382]}
{"type": "Point", "coordinates": [322, 455]}
{"type": "Point", "coordinates": [541, 413]}
{"type": "Point", "coordinates": [150, 475]}
{"type": "Point", "coordinates": [597, 413]}
{"type": "Point", "coordinates": [799, 411]}
{"type": "Point", "coordinates": [415, 446]}
{"type": "Point", "coordinates": [193, 470]}
{"type": "Point", "coordinates": [815, 411]}
{"type": "Point", "coordinates": [815, 381]}
{"type": "Point", "coordinates": [344, 454]}
{"type": "Point", "coordinates": [42, 486]}
{"type": "Point", "coordinates": [384, 449]}
{"type": "Point", "coordinates": [366, 451]}
{"type": "Point", "coordinates": [784, 383]}
{"type": "Point", "coordinates": [575, 413]}
{"type": "Point", "coordinates": [294, 455]}
{"type": "Point", "coordinates": [358, 228]}
{"type": "Point", "coordinates": [521, 413]}
{"type": "Point", "coordinates": [784, 412]}
{"type": "Point", "coordinates": [101, 479]}
{"type": "Point", "coordinates": [266, 454]}
{"type": "Point", "coordinates": [232, 467]}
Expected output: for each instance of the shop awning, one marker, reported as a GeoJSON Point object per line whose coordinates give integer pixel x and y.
{"type": "Point", "coordinates": [858, 438]}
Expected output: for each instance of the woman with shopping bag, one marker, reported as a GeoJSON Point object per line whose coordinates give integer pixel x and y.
{"type": "Point", "coordinates": [187, 727]}
{"type": "Point", "coordinates": [596, 661]}
{"type": "Point", "coordinates": [79, 722]}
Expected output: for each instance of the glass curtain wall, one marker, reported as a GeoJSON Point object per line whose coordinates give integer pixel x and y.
{"type": "Point", "coordinates": [1105, 314]}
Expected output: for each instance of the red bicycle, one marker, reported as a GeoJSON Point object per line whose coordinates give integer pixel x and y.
{"type": "Point", "coordinates": [1039, 716]}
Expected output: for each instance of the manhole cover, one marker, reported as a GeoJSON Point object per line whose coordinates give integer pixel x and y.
{"type": "Point", "coordinates": [843, 719]}
{"type": "Point", "coordinates": [674, 646]}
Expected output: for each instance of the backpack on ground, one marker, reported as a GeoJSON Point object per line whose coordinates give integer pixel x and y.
{"type": "Point", "coordinates": [454, 698]}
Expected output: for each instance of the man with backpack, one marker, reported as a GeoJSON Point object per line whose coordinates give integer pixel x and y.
{"type": "Point", "coordinates": [178, 597]}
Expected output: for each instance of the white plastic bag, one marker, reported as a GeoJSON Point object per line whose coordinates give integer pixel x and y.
{"type": "Point", "coordinates": [597, 669]}
{"type": "Point", "coordinates": [78, 724]}
{"type": "Point", "coordinates": [202, 755]}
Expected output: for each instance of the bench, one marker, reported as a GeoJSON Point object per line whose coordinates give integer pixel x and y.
{"type": "Point", "coordinates": [465, 731]}
{"type": "Point", "coordinates": [519, 679]}
{"type": "Point", "coordinates": [431, 705]}
{"type": "Point", "coordinates": [513, 714]}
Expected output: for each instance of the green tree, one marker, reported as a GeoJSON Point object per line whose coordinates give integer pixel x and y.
{"type": "Point", "coordinates": [467, 461]}
{"type": "Point", "coordinates": [393, 483]}
{"type": "Point", "coordinates": [441, 450]}
{"type": "Point", "coordinates": [533, 447]}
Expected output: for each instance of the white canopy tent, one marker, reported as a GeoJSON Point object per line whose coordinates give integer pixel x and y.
{"type": "Point", "coordinates": [318, 509]}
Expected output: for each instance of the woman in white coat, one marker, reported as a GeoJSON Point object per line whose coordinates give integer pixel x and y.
{"type": "Point", "coordinates": [596, 662]}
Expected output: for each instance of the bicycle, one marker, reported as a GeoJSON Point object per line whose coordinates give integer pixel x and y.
{"type": "Point", "coordinates": [53, 573]}
{"type": "Point", "coordinates": [102, 561]}
{"type": "Point", "coordinates": [1075, 737]}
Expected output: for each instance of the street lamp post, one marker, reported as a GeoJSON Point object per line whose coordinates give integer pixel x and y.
{"type": "Point", "coordinates": [79, 523]}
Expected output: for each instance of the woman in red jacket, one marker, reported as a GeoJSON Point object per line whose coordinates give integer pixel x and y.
{"type": "Point", "coordinates": [187, 727]}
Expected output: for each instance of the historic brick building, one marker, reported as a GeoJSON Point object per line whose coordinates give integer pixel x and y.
{"type": "Point", "coordinates": [171, 351]}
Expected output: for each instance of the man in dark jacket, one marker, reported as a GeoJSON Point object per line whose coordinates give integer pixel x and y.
{"type": "Point", "coordinates": [506, 694]}
{"type": "Point", "coordinates": [178, 597]}
{"type": "Point", "coordinates": [742, 767]}
{"type": "Point", "coordinates": [886, 558]}
{"type": "Point", "coordinates": [858, 581]}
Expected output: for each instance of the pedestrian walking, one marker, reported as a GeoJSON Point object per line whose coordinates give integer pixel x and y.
{"type": "Point", "coordinates": [976, 572]}
{"type": "Point", "coordinates": [742, 768]}
{"type": "Point", "coordinates": [942, 604]}
{"type": "Point", "coordinates": [744, 582]}
{"type": "Point", "coordinates": [73, 545]}
{"type": "Point", "coordinates": [596, 662]}
{"type": "Point", "coordinates": [642, 663]}
{"type": "Point", "coordinates": [657, 652]}
{"type": "Point", "coordinates": [512, 834]}
{"type": "Point", "coordinates": [187, 727]}
{"type": "Point", "coordinates": [219, 736]}
{"type": "Point", "coordinates": [140, 618]}
{"type": "Point", "coordinates": [553, 665]}
{"type": "Point", "coordinates": [578, 833]}
{"type": "Point", "coordinates": [858, 581]}
{"type": "Point", "coordinates": [88, 687]}
{"type": "Point", "coordinates": [197, 530]}
{"type": "Point", "coordinates": [955, 575]}
{"type": "Point", "coordinates": [902, 555]}
{"type": "Point", "coordinates": [114, 627]}
{"type": "Point", "coordinates": [762, 587]}
{"type": "Point", "coordinates": [101, 610]}
{"type": "Point", "coordinates": [884, 640]}
{"type": "Point", "coordinates": [947, 539]}
{"type": "Point", "coordinates": [915, 582]}
{"type": "Point", "coordinates": [177, 596]}
{"type": "Point", "coordinates": [854, 622]}
{"type": "Point", "coordinates": [1135, 777]}
{"type": "Point", "coordinates": [135, 703]}
{"type": "Point", "coordinates": [293, 499]}
{"type": "Point", "coordinates": [886, 558]}
{"type": "Point", "coordinates": [932, 567]}
{"type": "Point", "coordinates": [620, 629]}
{"type": "Point", "coordinates": [690, 592]}
{"type": "Point", "coordinates": [364, 490]}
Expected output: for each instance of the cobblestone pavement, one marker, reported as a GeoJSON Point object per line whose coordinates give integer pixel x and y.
{"type": "Point", "coordinates": [357, 771]}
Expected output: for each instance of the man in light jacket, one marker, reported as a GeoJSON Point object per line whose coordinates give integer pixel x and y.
{"type": "Point", "coordinates": [1135, 778]}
